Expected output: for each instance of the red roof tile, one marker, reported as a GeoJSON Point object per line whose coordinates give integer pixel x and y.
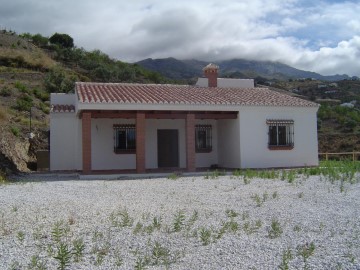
{"type": "Point", "coordinates": [127, 93]}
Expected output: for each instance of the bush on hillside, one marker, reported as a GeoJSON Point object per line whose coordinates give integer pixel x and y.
{"type": "Point", "coordinates": [58, 81]}
{"type": "Point", "coordinates": [24, 103]}
{"type": "Point", "coordinates": [5, 92]}
{"type": "Point", "coordinates": [63, 40]}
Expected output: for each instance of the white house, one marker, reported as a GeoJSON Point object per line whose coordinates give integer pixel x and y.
{"type": "Point", "coordinates": [123, 127]}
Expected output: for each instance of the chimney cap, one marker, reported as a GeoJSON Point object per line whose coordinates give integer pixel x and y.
{"type": "Point", "coordinates": [211, 67]}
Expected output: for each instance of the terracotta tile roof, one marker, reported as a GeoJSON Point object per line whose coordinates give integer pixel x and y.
{"type": "Point", "coordinates": [60, 108]}
{"type": "Point", "coordinates": [127, 93]}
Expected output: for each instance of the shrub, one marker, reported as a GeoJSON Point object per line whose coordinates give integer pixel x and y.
{"type": "Point", "coordinates": [44, 108]}
{"type": "Point", "coordinates": [15, 131]}
{"type": "Point", "coordinates": [5, 92]}
{"type": "Point", "coordinates": [21, 87]}
{"type": "Point", "coordinates": [43, 96]}
{"type": "Point", "coordinates": [24, 103]}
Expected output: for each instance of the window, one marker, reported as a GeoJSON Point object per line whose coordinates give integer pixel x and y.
{"type": "Point", "coordinates": [281, 134]}
{"type": "Point", "coordinates": [203, 138]}
{"type": "Point", "coordinates": [124, 139]}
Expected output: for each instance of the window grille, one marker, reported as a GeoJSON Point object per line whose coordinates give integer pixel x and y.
{"type": "Point", "coordinates": [203, 138]}
{"type": "Point", "coordinates": [281, 133]}
{"type": "Point", "coordinates": [124, 138]}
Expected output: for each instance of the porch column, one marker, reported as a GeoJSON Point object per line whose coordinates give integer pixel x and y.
{"type": "Point", "coordinates": [86, 143]}
{"type": "Point", "coordinates": [190, 142]}
{"type": "Point", "coordinates": [140, 142]}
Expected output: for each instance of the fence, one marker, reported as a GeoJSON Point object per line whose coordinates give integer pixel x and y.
{"type": "Point", "coordinates": [355, 155]}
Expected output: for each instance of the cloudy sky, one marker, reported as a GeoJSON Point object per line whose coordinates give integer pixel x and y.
{"type": "Point", "coordinates": [321, 36]}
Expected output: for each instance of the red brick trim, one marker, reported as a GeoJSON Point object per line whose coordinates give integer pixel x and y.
{"type": "Point", "coordinates": [190, 142]}
{"type": "Point", "coordinates": [140, 142]}
{"type": "Point", "coordinates": [86, 142]}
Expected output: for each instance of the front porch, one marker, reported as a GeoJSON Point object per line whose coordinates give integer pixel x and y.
{"type": "Point", "coordinates": [98, 140]}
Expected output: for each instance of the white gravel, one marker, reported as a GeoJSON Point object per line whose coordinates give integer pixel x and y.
{"type": "Point", "coordinates": [311, 210]}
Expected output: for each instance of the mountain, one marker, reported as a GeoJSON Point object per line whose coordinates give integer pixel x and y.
{"type": "Point", "coordinates": [237, 68]}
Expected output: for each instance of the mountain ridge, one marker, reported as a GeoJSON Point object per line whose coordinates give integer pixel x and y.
{"type": "Point", "coordinates": [237, 68]}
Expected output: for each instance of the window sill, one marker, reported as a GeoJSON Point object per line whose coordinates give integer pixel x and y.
{"type": "Point", "coordinates": [281, 147]}
{"type": "Point", "coordinates": [118, 151]}
{"type": "Point", "coordinates": [203, 150]}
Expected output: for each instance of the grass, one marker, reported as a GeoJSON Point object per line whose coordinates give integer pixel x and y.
{"type": "Point", "coordinates": [15, 130]}
{"type": "Point", "coordinates": [173, 176]}
{"type": "Point", "coordinates": [214, 174]}
{"type": "Point", "coordinates": [3, 113]}
{"type": "Point", "coordinates": [3, 178]}
{"type": "Point", "coordinates": [275, 229]}
{"type": "Point", "coordinates": [305, 251]}
{"type": "Point", "coordinates": [285, 259]}
{"type": "Point", "coordinates": [205, 236]}
{"type": "Point", "coordinates": [35, 59]}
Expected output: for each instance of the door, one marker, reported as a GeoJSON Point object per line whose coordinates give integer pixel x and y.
{"type": "Point", "coordinates": [168, 148]}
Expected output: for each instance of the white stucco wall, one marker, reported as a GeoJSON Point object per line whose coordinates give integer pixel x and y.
{"type": "Point", "coordinates": [208, 159]}
{"type": "Point", "coordinates": [228, 83]}
{"type": "Point", "coordinates": [62, 99]}
{"type": "Point", "coordinates": [103, 156]}
{"type": "Point", "coordinates": [254, 137]}
{"type": "Point", "coordinates": [65, 143]}
{"type": "Point", "coordinates": [229, 143]}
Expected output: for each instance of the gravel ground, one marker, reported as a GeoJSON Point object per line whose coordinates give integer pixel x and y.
{"type": "Point", "coordinates": [187, 223]}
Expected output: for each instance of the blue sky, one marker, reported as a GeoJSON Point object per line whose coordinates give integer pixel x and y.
{"type": "Point", "coordinates": [320, 36]}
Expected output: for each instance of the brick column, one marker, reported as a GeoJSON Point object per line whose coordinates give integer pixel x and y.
{"type": "Point", "coordinates": [190, 142]}
{"type": "Point", "coordinates": [140, 142]}
{"type": "Point", "coordinates": [86, 143]}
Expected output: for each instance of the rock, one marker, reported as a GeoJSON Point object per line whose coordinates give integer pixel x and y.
{"type": "Point", "coordinates": [13, 152]}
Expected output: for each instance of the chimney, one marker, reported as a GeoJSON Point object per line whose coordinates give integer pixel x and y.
{"type": "Point", "coordinates": [211, 72]}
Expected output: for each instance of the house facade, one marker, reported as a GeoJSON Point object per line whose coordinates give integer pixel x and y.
{"type": "Point", "coordinates": [121, 127]}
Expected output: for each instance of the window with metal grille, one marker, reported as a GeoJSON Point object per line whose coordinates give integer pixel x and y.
{"type": "Point", "coordinates": [203, 138]}
{"type": "Point", "coordinates": [281, 134]}
{"type": "Point", "coordinates": [124, 138]}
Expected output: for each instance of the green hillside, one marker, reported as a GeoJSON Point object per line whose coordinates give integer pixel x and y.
{"type": "Point", "coordinates": [32, 67]}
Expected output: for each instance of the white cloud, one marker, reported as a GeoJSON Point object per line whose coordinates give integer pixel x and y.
{"type": "Point", "coordinates": [319, 36]}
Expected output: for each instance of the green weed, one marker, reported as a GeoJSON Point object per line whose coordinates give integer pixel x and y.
{"type": "Point", "coordinates": [275, 229]}
{"type": "Point", "coordinates": [63, 255]}
{"type": "Point", "coordinates": [160, 254]}
{"type": "Point", "coordinates": [173, 176]}
{"type": "Point", "coordinates": [305, 251]}
{"type": "Point", "coordinates": [286, 258]}
{"type": "Point", "coordinates": [78, 249]}
{"type": "Point", "coordinates": [36, 263]}
{"type": "Point", "coordinates": [231, 213]}
{"type": "Point", "coordinates": [20, 236]}
{"type": "Point", "coordinates": [179, 221]}
{"type": "Point", "coordinates": [140, 264]}
{"type": "Point", "coordinates": [205, 236]}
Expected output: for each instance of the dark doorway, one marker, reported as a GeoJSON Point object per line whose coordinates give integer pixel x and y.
{"type": "Point", "coordinates": [168, 148]}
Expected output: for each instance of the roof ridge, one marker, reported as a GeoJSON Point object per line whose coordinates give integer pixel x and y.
{"type": "Point", "coordinates": [137, 93]}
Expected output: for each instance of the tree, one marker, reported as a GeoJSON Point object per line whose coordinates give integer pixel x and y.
{"type": "Point", "coordinates": [39, 40]}
{"type": "Point", "coordinates": [63, 40]}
